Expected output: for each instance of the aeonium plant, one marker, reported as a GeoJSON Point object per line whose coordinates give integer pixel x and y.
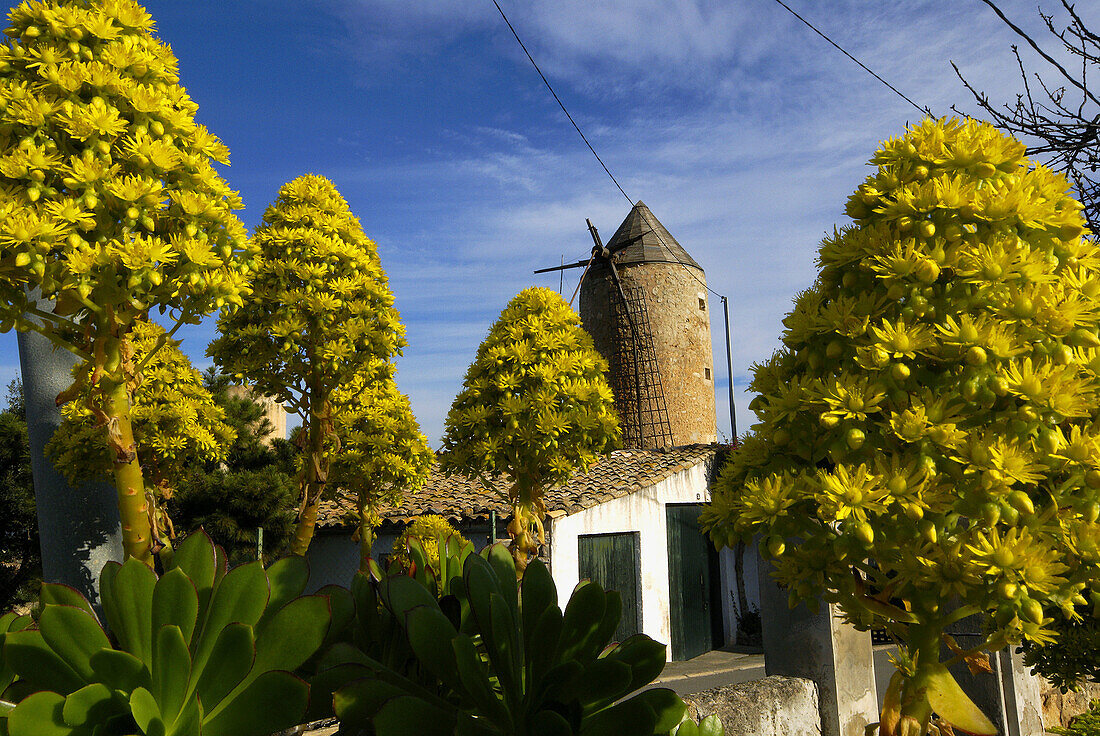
{"type": "Point", "coordinates": [928, 446]}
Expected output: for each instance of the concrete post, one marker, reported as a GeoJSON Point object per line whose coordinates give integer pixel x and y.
{"type": "Point", "coordinates": [822, 648]}
{"type": "Point", "coordinates": [79, 527]}
{"type": "Point", "coordinates": [1010, 696]}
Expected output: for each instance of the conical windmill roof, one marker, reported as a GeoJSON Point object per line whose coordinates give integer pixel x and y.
{"type": "Point", "coordinates": [644, 239]}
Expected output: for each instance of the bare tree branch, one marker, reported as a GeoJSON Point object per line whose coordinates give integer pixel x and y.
{"type": "Point", "coordinates": [1057, 126]}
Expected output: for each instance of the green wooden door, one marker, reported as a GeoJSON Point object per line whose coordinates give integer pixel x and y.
{"type": "Point", "coordinates": [694, 603]}
{"type": "Point", "coordinates": [612, 561]}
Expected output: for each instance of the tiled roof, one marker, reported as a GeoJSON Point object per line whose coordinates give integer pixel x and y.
{"type": "Point", "coordinates": [456, 497]}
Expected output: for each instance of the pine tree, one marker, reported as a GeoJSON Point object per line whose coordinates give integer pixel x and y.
{"type": "Point", "coordinates": [177, 425]}
{"type": "Point", "coordinates": [321, 314]}
{"type": "Point", "coordinates": [109, 204]}
{"type": "Point", "coordinates": [252, 487]}
{"type": "Point", "coordinates": [383, 454]}
{"type": "Point", "coordinates": [929, 431]}
{"type": "Point", "coordinates": [534, 407]}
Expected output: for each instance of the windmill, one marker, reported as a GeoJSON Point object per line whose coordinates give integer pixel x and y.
{"type": "Point", "coordinates": [658, 354]}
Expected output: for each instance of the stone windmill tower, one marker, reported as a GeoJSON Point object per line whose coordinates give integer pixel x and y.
{"type": "Point", "coordinates": [644, 301]}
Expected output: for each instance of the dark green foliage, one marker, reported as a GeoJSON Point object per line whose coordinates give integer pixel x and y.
{"type": "Point", "coordinates": [254, 488]}
{"type": "Point", "coordinates": [20, 556]}
{"type": "Point", "coordinates": [1074, 657]}
{"type": "Point", "coordinates": [254, 448]}
{"type": "Point", "coordinates": [15, 402]}
{"type": "Point", "coordinates": [231, 506]}
{"type": "Point", "coordinates": [495, 655]}
{"type": "Point", "coordinates": [198, 651]}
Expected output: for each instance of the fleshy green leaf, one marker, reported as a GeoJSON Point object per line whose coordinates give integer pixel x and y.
{"type": "Point", "coordinates": [537, 595]}
{"type": "Point", "coordinates": [711, 726]}
{"type": "Point", "coordinates": [950, 702]}
{"type": "Point", "coordinates": [175, 603]}
{"type": "Point", "coordinates": [75, 635]}
{"type": "Point", "coordinates": [240, 597]}
{"type": "Point", "coordinates": [90, 706]}
{"type": "Point", "coordinates": [231, 661]}
{"type": "Point", "coordinates": [403, 715]}
{"type": "Point", "coordinates": [287, 579]}
{"type": "Point", "coordinates": [146, 712]}
{"type": "Point", "coordinates": [581, 622]}
{"type": "Point", "coordinates": [196, 558]}
{"type": "Point", "coordinates": [40, 714]}
{"type": "Point", "coordinates": [430, 634]}
{"type": "Point", "coordinates": [293, 634]}
{"type": "Point", "coordinates": [38, 665]}
{"type": "Point", "coordinates": [63, 595]}
{"type": "Point", "coordinates": [402, 593]}
{"type": "Point", "coordinates": [120, 670]}
{"type": "Point", "coordinates": [171, 671]}
{"type": "Point", "coordinates": [274, 701]}
{"type": "Point", "coordinates": [132, 606]}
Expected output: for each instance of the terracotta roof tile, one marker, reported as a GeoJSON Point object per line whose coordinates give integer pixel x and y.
{"type": "Point", "coordinates": [456, 497]}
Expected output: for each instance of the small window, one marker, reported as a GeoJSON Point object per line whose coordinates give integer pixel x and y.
{"type": "Point", "coordinates": [702, 304]}
{"type": "Point", "coordinates": [706, 372]}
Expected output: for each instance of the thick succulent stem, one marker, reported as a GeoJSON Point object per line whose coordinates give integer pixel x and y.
{"type": "Point", "coordinates": [312, 481]}
{"type": "Point", "coordinates": [133, 506]}
{"type": "Point", "coordinates": [916, 711]}
{"type": "Point", "coordinates": [366, 536]}
{"type": "Point", "coordinates": [526, 528]}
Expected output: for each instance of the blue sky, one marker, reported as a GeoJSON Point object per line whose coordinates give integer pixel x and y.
{"type": "Point", "coordinates": [742, 130]}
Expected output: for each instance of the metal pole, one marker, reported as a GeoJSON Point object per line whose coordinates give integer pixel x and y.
{"type": "Point", "coordinates": [729, 367]}
{"type": "Point", "coordinates": [492, 526]}
{"type": "Point", "coordinates": [260, 543]}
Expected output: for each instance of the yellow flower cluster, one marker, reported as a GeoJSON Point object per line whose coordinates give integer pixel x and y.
{"type": "Point", "coordinates": [176, 422]}
{"type": "Point", "coordinates": [109, 202]}
{"type": "Point", "coordinates": [383, 453]}
{"type": "Point", "coordinates": [320, 316]}
{"type": "Point", "coordinates": [535, 403]}
{"type": "Point", "coordinates": [428, 530]}
{"type": "Point", "coordinates": [535, 406]}
{"type": "Point", "coordinates": [931, 427]}
{"type": "Point", "coordinates": [321, 312]}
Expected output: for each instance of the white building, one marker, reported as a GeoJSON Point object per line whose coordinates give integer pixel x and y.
{"type": "Point", "coordinates": [630, 524]}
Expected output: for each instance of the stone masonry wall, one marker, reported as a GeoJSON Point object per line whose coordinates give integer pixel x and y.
{"type": "Point", "coordinates": [774, 706]}
{"type": "Point", "coordinates": [679, 316]}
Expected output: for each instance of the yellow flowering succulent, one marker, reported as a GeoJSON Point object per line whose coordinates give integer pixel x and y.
{"type": "Point", "coordinates": [534, 407]}
{"type": "Point", "coordinates": [383, 454]}
{"type": "Point", "coordinates": [321, 316]}
{"type": "Point", "coordinates": [110, 205]}
{"type": "Point", "coordinates": [940, 440]}
{"type": "Point", "coordinates": [177, 425]}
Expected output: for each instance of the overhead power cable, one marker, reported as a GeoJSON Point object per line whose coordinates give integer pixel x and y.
{"type": "Point", "coordinates": [555, 94]}
{"type": "Point", "coordinates": [587, 143]}
{"type": "Point", "coordinates": [896, 91]}
{"type": "Point", "coordinates": [725, 302]}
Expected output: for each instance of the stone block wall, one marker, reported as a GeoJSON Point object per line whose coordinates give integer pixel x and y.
{"type": "Point", "coordinates": [679, 317]}
{"type": "Point", "coordinates": [774, 706]}
{"type": "Point", "coordinates": [1059, 708]}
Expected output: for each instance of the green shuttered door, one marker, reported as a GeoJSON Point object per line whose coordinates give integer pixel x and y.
{"type": "Point", "coordinates": [612, 561]}
{"type": "Point", "coordinates": [692, 581]}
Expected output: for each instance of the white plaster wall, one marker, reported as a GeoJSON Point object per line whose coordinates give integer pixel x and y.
{"type": "Point", "coordinates": [642, 512]}
{"type": "Point", "coordinates": [334, 559]}
{"type": "Point", "coordinates": [729, 587]}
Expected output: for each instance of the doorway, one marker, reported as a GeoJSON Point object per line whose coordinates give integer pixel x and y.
{"type": "Point", "coordinates": [695, 602]}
